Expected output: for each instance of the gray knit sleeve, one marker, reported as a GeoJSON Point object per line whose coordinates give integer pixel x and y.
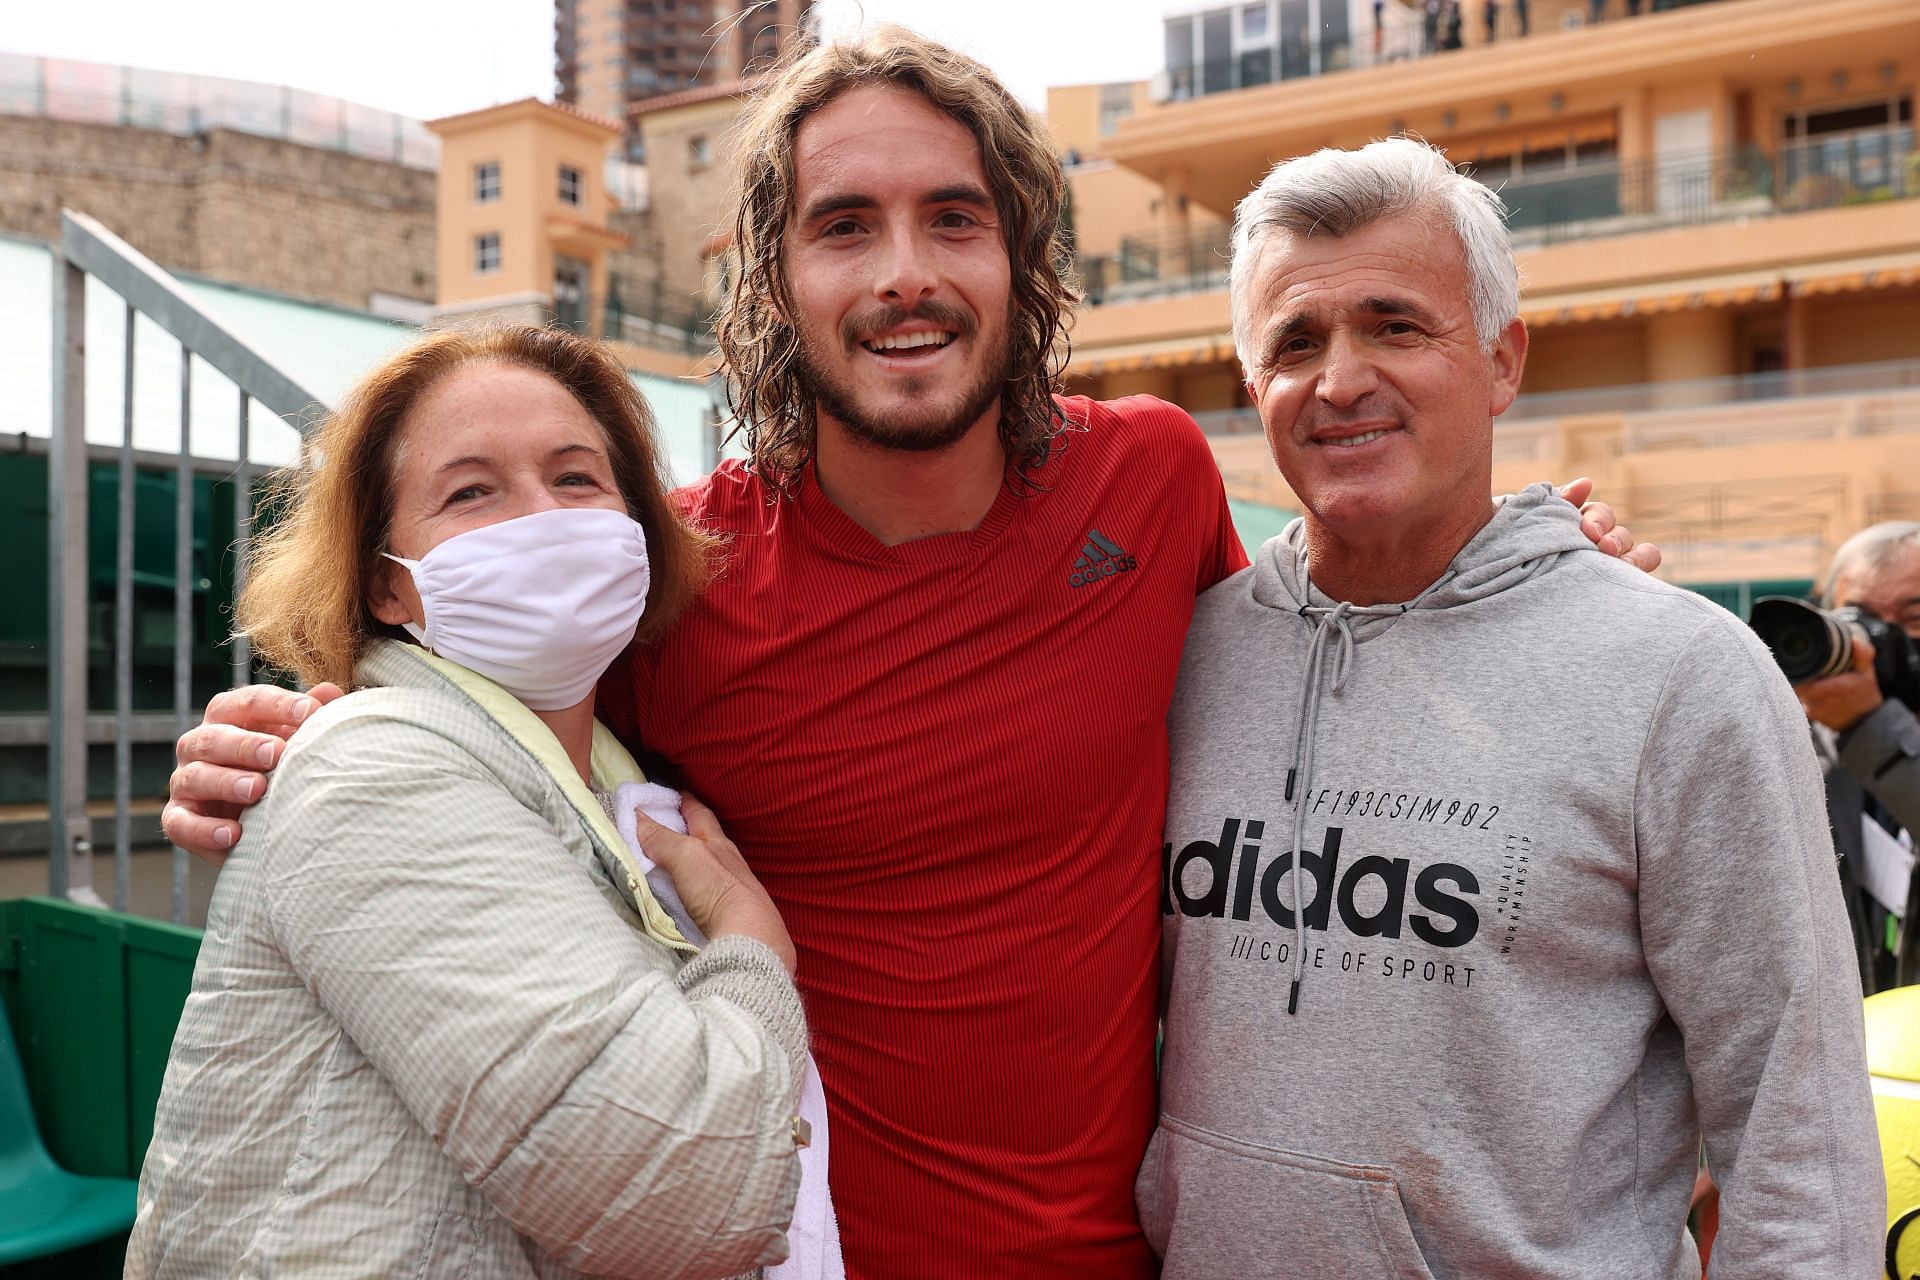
{"type": "Point", "coordinates": [746, 972]}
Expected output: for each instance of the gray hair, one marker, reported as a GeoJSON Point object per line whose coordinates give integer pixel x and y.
{"type": "Point", "coordinates": [1334, 192]}
{"type": "Point", "coordinates": [1873, 550]}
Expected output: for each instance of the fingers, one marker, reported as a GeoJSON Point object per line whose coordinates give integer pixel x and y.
{"type": "Point", "coordinates": [207, 836]}
{"type": "Point", "coordinates": [701, 822]}
{"type": "Point", "coordinates": [229, 747]}
{"type": "Point", "coordinates": [1644, 556]}
{"type": "Point", "coordinates": [661, 843]}
{"type": "Point", "coordinates": [645, 829]}
{"type": "Point", "coordinates": [1597, 520]}
{"type": "Point", "coordinates": [326, 691]}
{"type": "Point", "coordinates": [1862, 650]}
{"type": "Point", "coordinates": [1576, 491]}
{"type": "Point", "coordinates": [1617, 541]}
{"type": "Point", "coordinates": [198, 780]}
{"type": "Point", "coordinates": [262, 707]}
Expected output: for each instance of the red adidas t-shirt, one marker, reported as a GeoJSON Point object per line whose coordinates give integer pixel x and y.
{"type": "Point", "coordinates": [947, 762]}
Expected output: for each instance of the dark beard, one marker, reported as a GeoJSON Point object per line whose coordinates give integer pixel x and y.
{"type": "Point", "coordinates": [925, 435]}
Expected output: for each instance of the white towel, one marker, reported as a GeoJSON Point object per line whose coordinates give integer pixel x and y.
{"type": "Point", "coordinates": [814, 1237]}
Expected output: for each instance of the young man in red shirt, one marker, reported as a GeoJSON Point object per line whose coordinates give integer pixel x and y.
{"type": "Point", "coordinates": [927, 691]}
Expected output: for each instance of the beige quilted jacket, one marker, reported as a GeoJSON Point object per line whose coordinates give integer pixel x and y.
{"type": "Point", "coordinates": [438, 1028]}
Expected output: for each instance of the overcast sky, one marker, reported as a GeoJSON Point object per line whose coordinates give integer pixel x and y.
{"type": "Point", "coordinates": [428, 58]}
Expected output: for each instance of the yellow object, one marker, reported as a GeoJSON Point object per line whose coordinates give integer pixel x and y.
{"type": "Point", "coordinates": [612, 764]}
{"type": "Point", "coordinates": [1893, 1057]}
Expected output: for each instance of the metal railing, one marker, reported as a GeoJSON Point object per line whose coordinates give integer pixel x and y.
{"type": "Point", "coordinates": [1585, 202]}
{"type": "Point", "coordinates": [1700, 393]}
{"type": "Point", "coordinates": [652, 315]}
{"type": "Point", "coordinates": [1407, 30]}
{"type": "Point", "coordinates": [102, 93]}
{"type": "Point", "coordinates": [1607, 199]}
{"type": "Point", "coordinates": [1542, 408]}
{"type": "Point", "coordinates": [1158, 261]}
{"type": "Point", "coordinates": [88, 249]}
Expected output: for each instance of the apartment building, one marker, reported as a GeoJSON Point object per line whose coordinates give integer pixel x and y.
{"type": "Point", "coordinates": [612, 54]}
{"type": "Point", "coordinates": [1715, 208]}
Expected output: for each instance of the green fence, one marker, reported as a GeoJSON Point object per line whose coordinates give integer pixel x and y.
{"type": "Point", "coordinates": [93, 999]}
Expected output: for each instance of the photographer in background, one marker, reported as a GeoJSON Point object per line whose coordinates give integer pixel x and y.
{"type": "Point", "coordinates": [1869, 746]}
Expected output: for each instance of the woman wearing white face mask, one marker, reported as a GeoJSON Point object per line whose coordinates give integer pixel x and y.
{"type": "Point", "coordinates": [440, 1026]}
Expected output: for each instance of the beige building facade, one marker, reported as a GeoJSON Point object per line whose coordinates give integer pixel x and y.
{"type": "Point", "coordinates": [524, 215]}
{"type": "Point", "coordinates": [1717, 210]}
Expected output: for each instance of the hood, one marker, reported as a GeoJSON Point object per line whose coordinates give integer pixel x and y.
{"type": "Point", "coordinates": [1528, 532]}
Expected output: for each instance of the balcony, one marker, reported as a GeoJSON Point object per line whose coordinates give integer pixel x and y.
{"type": "Point", "coordinates": [1787, 406]}
{"type": "Point", "coordinates": [1302, 50]}
{"type": "Point", "coordinates": [1159, 261]}
{"type": "Point", "coordinates": [649, 314]}
{"type": "Point", "coordinates": [1584, 202]}
{"type": "Point", "coordinates": [1590, 201]}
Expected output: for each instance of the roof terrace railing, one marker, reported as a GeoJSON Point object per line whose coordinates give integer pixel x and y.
{"type": "Point", "coordinates": [88, 249]}
{"type": "Point", "coordinates": [651, 314]}
{"type": "Point", "coordinates": [1583, 202]}
{"type": "Point", "coordinates": [103, 93]}
{"type": "Point", "coordinates": [1702, 393]}
{"type": "Point", "coordinates": [1533, 409]}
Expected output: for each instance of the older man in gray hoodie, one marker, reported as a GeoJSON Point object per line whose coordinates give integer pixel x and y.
{"type": "Point", "coordinates": [1451, 993]}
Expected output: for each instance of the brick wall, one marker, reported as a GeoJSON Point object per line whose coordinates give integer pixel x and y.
{"type": "Point", "coordinates": [249, 210]}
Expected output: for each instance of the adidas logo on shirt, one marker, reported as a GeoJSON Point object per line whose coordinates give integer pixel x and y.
{"type": "Point", "coordinates": [1100, 557]}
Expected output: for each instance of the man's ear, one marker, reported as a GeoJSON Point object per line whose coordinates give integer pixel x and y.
{"type": "Point", "coordinates": [1509, 361]}
{"type": "Point", "coordinates": [390, 594]}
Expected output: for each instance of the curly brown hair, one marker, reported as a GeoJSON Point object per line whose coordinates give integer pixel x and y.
{"type": "Point", "coordinates": [760, 350]}
{"type": "Point", "coordinates": [304, 607]}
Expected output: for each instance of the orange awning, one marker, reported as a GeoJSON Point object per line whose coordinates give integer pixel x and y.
{"type": "Point", "coordinates": [1854, 274]}
{"type": "Point", "coordinates": [1171, 353]}
{"type": "Point", "coordinates": [1502, 143]}
{"type": "Point", "coordinates": [1651, 297]}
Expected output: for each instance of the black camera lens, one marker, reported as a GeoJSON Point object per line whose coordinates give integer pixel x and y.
{"type": "Point", "coordinates": [1808, 642]}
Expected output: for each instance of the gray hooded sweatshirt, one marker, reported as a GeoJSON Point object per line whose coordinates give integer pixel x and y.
{"type": "Point", "coordinates": [1571, 906]}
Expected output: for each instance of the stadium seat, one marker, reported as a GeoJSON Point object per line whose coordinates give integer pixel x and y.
{"type": "Point", "coordinates": [43, 1208]}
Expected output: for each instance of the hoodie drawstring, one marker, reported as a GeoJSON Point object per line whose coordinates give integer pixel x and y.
{"type": "Point", "coordinates": [1336, 620]}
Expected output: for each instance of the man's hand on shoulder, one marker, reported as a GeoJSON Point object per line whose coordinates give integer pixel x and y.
{"type": "Point", "coordinates": [222, 765]}
{"type": "Point", "coordinates": [1599, 523]}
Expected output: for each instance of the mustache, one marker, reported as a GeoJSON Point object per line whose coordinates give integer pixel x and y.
{"type": "Point", "coordinates": [861, 325]}
{"type": "Point", "coordinates": [1377, 406]}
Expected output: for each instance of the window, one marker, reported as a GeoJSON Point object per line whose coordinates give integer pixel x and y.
{"type": "Point", "coordinates": [1876, 115]}
{"type": "Point", "coordinates": [486, 182]}
{"type": "Point", "coordinates": [486, 253]}
{"type": "Point", "coordinates": [570, 188]}
{"type": "Point", "coordinates": [1253, 23]}
{"type": "Point", "coordinates": [1116, 104]}
{"type": "Point", "coordinates": [699, 151]}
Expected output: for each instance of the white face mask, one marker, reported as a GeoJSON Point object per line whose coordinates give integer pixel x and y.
{"type": "Point", "coordinates": [540, 605]}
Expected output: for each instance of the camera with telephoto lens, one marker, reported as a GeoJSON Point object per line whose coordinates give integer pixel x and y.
{"type": "Point", "coordinates": [1811, 643]}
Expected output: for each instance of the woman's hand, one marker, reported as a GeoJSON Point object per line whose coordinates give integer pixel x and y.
{"type": "Point", "coordinates": [712, 879]}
